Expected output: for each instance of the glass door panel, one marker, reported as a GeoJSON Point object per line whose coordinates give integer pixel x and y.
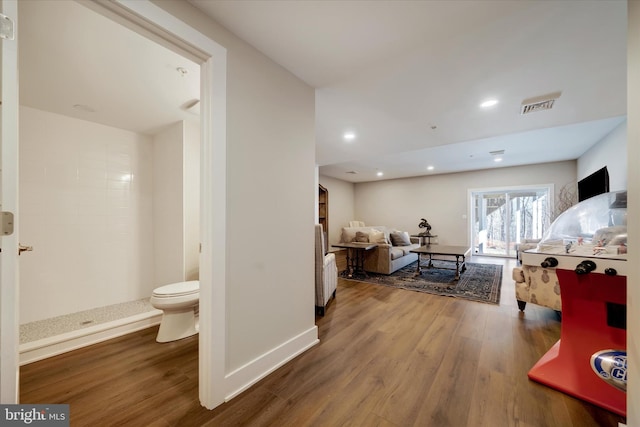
{"type": "Point", "coordinates": [491, 214]}
{"type": "Point", "coordinates": [529, 217]}
{"type": "Point", "coordinates": [502, 219]}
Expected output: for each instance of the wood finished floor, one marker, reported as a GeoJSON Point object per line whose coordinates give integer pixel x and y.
{"type": "Point", "coordinates": [387, 358]}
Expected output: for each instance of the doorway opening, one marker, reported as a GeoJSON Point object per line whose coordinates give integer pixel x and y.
{"type": "Point", "coordinates": [109, 177]}
{"type": "Point", "coordinates": [154, 22]}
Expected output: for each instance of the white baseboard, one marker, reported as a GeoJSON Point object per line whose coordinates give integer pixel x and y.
{"type": "Point", "coordinates": [249, 374]}
{"type": "Point", "coordinates": [48, 347]}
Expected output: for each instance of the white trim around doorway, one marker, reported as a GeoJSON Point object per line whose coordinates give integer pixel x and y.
{"type": "Point", "coordinates": [145, 17]}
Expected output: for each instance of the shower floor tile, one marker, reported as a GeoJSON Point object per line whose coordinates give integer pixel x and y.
{"type": "Point", "coordinates": [46, 328]}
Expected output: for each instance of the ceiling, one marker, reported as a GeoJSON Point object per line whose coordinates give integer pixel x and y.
{"type": "Point", "coordinates": [407, 77]}
{"type": "Point", "coordinates": [111, 74]}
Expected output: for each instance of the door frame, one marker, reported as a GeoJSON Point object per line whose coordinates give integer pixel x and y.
{"type": "Point", "coordinates": [144, 17]}
{"type": "Point", "coordinates": [9, 315]}
{"type": "Point", "coordinates": [154, 22]}
{"type": "Point", "coordinates": [471, 192]}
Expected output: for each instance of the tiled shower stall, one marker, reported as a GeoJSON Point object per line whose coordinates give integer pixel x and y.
{"type": "Point", "coordinates": [111, 214]}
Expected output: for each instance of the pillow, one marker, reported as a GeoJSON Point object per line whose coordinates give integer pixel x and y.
{"type": "Point", "coordinates": [361, 237]}
{"type": "Point", "coordinates": [377, 236]}
{"type": "Point", "coordinates": [348, 234]}
{"type": "Point", "coordinates": [400, 238]}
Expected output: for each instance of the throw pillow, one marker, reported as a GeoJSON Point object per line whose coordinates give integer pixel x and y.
{"type": "Point", "coordinates": [362, 237]}
{"type": "Point", "coordinates": [400, 238]}
{"type": "Point", "coordinates": [377, 236]}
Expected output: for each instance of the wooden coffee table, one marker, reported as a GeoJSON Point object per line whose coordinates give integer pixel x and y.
{"type": "Point", "coordinates": [460, 252]}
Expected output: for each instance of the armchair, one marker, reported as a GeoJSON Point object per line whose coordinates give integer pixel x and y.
{"type": "Point", "coordinates": [537, 285]}
{"type": "Point", "coordinates": [326, 272]}
{"type": "Point", "coordinates": [525, 245]}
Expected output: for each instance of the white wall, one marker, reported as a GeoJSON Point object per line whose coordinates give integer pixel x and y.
{"type": "Point", "coordinates": [270, 205]}
{"type": "Point", "coordinates": [191, 189]}
{"type": "Point", "coordinates": [443, 199]}
{"type": "Point", "coordinates": [611, 152]}
{"type": "Point", "coordinates": [85, 206]}
{"type": "Point", "coordinates": [176, 203]}
{"type": "Point", "coordinates": [270, 208]}
{"type": "Point", "coordinates": [633, 213]}
{"type": "Point", "coordinates": [341, 205]}
{"type": "Point", "coordinates": [168, 217]}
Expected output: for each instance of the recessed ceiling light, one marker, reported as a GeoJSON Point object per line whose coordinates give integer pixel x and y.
{"type": "Point", "coordinates": [497, 155]}
{"type": "Point", "coordinates": [429, 168]}
{"type": "Point", "coordinates": [349, 136]}
{"type": "Point", "coordinates": [489, 103]}
{"type": "Point", "coordinates": [380, 174]}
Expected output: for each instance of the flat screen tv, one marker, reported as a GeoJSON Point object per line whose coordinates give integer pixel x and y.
{"type": "Point", "coordinates": [594, 184]}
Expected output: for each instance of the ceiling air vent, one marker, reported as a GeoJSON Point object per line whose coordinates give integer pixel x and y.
{"type": "Point", "coordinates": [539, 103]}
{"type": "Point", "coordinates": [352, 172]}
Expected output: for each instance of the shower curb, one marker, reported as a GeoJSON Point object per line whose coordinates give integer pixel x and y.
{"type": "Point", "coordinates": [53, 346]}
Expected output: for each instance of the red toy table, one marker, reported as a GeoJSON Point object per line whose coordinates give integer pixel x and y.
{"type": "Point", "coordinates": [593, 320]}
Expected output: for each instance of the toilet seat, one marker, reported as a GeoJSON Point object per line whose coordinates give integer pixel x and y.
{"type": "Point", "coordinates": [177, 289]}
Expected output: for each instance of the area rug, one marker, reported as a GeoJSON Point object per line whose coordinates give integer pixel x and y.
{"type": "Point", "coordinates": [480, 282]}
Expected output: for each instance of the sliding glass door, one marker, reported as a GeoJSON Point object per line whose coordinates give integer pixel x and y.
{"type": "Point", "coordinates": [502, 218]}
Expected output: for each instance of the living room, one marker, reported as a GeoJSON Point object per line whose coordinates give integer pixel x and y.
{"type": "Point", "coordinates": [444, 199]}
{"type": "Point", "coordinates": [266, 126]}
{"type": "Point", "coordinates": [401, 203]}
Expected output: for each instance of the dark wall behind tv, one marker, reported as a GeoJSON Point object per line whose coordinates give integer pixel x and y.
{"type": "Point", "coordinates": [594, 184]}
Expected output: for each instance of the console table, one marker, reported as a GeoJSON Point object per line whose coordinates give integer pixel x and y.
{"type": "Point", "coordinates": [355, 258]}
{"type": "Point", "coordinates": [422, 238]}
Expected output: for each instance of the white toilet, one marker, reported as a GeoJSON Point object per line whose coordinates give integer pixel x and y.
{"type": "Point", "coordinates": [179, 302]}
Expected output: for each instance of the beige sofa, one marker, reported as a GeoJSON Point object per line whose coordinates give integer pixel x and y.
{"type": "Point", "coordinates": [389, 256]}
